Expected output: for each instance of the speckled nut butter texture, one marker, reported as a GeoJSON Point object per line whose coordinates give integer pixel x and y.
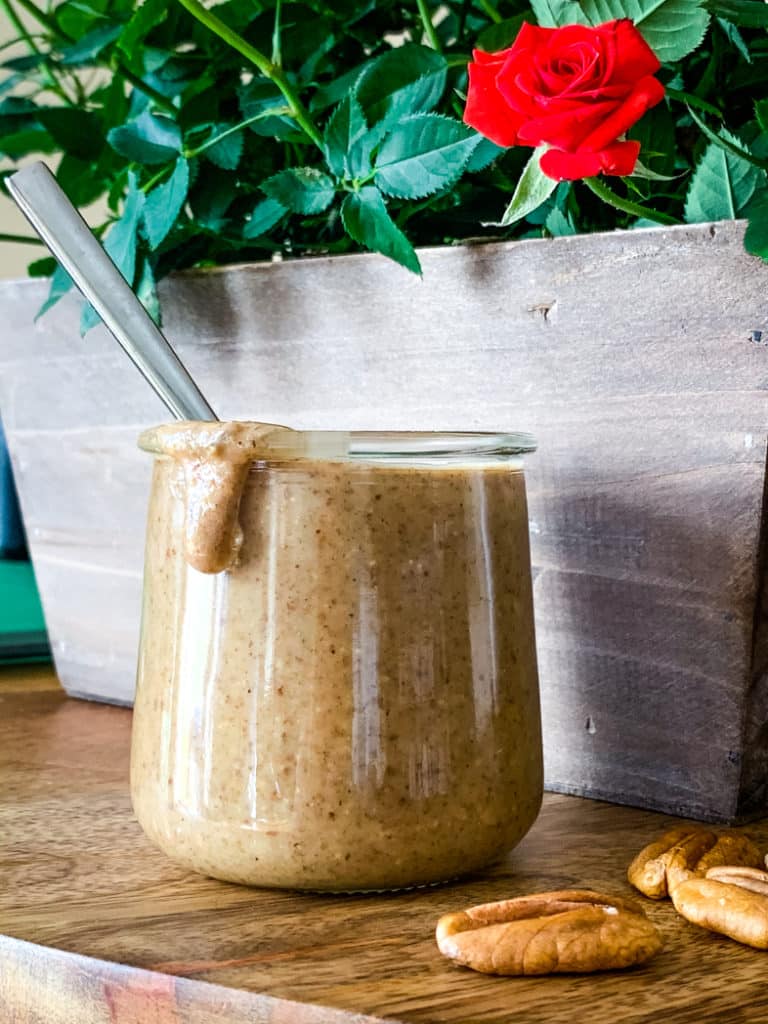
{"type": "Point", "coordinates": [354, 704]}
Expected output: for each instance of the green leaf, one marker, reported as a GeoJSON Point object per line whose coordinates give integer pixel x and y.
{"type": "Point", "coordinates": [736, 39]}
{"type": "Point", "coordinates": [227, 152]}
{"type": "Point", "coordinates": [484, 154]}
{"type": "Point", "coordinates": [163, 204]}
{"type": "Point", "coordinates": [256, 99]}
{"type": "Point", "coordinates": [113, 103]}
{"type": "Point", "coordinates": [146, 17]}
{"type": "Point", "coordinates": [32, 140]}
{"type": "Point", "coordinates": [500, 35]}
{"type": "Point", "coordinates": [334, 92]}
{"type": "Point", "coordinates": [556, 13]}
{"type": "Point", "coordinates": [61, 283]}
{"type": "Point", "coordinates": [239, 13]}
{"type": "Point", "coordinates": [558, 224]}
{"type": "Point", "coordinates": [756, 237]}
{"type": "Point", "coordinates": [121, 240]}
{"type": "Point", "coordinates": [761, 113]}
{"type": "Point", "coordinates": [121, 244]}
{"type": "Point", "coordinates": [301, 189]}
{"type": "Point", "coordinates": [727, 141]}
{"type": "Point", "coordinates": [423, 154]}
{"type": "Point", "coordinates": [76, 19]}
{"type": "Point", "coordinates": [80, 179]}
{"type": "Point", "coordinates": [75, 131]}
{"type": "Point", "coordinates": [18, 106]}
{"type": "Point", "coordinates": [211, 198]}
{"type": "Point", "coordinates": [759, 148]}
{"type": "Point", "coordinates": [91, 45]}
{"type": "Point", "coordinates": [409, 79]}
{"type": "Point", "coordinates": [362, 150]}
{"type": "Point", "coordinates": [656, 133]}
{"type": "Point", "coordinates": [345, 127]}
{"type": "Point", "coordinates": [558, 199]}
{"type": "Point", "coordinates": [146, 290]}
{"type": "Point", "coordinates": [643, 222]}
{"type": "Point", "coordinates": [672, 28]}
{"type": "Point", "coordinates": [326, 42]}
{"type": "Point", "coordinates": [89, 318]}
{"type": "Point", "coordinates": [150, 139]}
{"type": "Point", "coordinates": [533, 188]}
{"type": "Point", "coordinates": [265, 215]}
{"type": "Point", "coordinates": [43, 267]}
{"type": "Point", "coordinates": [366, 220]}
{"type": "Point", "coordinates": [28, 62]}
{"type": "Point", "coordinates": [14, 124]}
{"type": "Point", "coordinates": [10, 83]}
{"type": "Point", "coordinates": [641, 171]}
{"type": "Point", "coordinates": [722, 185]}
{"type": "Point", "coordinates": [746, 13]}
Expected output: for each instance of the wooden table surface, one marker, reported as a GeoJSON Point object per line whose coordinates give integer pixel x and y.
{"type": "Point", "coordinates": [78, 880]}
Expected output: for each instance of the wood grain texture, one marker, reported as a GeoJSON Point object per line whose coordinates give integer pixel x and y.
{"type": "Point", "coordinates": [78, 876]}
{"type": "Point", "coordinates": [632, 356]}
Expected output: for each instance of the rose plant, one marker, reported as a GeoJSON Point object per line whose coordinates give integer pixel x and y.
{"type": "Point", "coordinates": [260, 127]}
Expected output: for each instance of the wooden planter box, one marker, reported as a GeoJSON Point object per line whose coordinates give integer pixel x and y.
{"type": "Point", "coordinates": [638, 359]}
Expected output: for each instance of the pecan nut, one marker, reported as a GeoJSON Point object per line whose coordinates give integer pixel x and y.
{"type": "Point", "coordinates": [572, 930]}
{"type": "Point", "coordinates": [730, 900]}
{"type": "Point", "coordinates": [688, 852]}
{"type": "Point", "coordinates": [748, 878]}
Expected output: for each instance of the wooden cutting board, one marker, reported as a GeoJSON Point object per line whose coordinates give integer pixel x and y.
{"type": "Point", "coordinates": [100, 928]}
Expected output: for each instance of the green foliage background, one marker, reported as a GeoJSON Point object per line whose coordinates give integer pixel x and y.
{"type": "Point", "coordinates": [232, 132]}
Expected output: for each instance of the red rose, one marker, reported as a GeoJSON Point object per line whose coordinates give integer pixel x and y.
{"type": "Point", "coordinates": [577, 89]}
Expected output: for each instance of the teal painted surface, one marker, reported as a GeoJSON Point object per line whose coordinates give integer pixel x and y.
{"type": "Point", "coordinates": [11, 532]}
{"type": "Point", "coordinates": [22, 626]}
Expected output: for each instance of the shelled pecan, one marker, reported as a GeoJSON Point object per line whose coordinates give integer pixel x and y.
{"type": "Point", "coordinates": [688, 852]}
{"type": "Point", "coordinates": [748, 878]}
{"type": "Point", "coordinates": [568, 930]}
{"type": "Point", "coordinates": [730, 900]}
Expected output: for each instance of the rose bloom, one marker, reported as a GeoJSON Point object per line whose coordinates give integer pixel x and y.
{"type": "Point", "coordinates": [576, 89]}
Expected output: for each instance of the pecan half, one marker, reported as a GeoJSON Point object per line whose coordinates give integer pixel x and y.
{"type": "Point", "coordinates": [730, 900]}
{"type": "Point", "coordinates": [748, 878]}
{"type": "Point", "coordinates": [687, 852]}
{"type": "Point", "coordinates": [553, 932]}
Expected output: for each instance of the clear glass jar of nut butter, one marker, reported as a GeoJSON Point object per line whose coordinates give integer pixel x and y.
{"type": "Point", "coordinates": [337, 684]}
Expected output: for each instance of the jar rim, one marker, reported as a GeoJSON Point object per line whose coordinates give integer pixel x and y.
{"type": "Point", "coordinates": [243, 441]}
{"type": "Point", "coordinates": [437, 442]}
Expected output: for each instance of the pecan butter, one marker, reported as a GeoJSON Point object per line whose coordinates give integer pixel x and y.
{"type": "Point", "coordinates": [349, 699]}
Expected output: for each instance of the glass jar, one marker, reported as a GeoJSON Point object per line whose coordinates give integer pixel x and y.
{"type": "Point", "coordinates": [352, 703]}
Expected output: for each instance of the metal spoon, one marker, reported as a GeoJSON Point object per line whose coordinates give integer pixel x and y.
{"type": "Point", "coordinates": [69, 238]}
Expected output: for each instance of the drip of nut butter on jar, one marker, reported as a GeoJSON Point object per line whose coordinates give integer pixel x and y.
{"type": "Point", "coordinates": [215, 458]}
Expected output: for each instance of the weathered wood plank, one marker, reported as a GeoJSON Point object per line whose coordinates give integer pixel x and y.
{"type": "Point", "coordinates": [636, 358]}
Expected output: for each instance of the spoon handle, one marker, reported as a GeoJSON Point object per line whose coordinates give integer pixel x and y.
{"type": "Point", "coordinates": [69, 238]}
